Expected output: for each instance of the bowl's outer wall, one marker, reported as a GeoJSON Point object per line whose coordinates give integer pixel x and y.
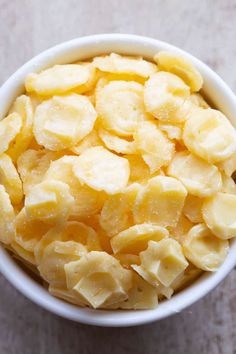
{"type": "Point", "coordinates": [83, 48]}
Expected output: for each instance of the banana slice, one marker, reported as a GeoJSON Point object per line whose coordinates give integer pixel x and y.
{"type": "Point", "coordinates": [156, 149]}
{"type": "Point", "coordinates": [9, 128]}
{"type": "Point", "coordinates": [135, 239]}
{"type": "Point", "coordinates": [99, 278]}
{"type": "Point", "coordinates": [219, 213]}
{"type": "Point", "coordinates": [164, 94]}
{"type": "Point", "coordinates": [180, 66]}
{"type": "Point", "coordinates": [49, 201]}
{"type": "Point", "coordinates": [173, 131]}
{"type": "Point", "coordinates": [229, 165]}
{"type": "Point", "coordinates": [181, 229]}
{"type": "Point", "coordinates": [91, 140]}
{"type": "Point", "coordinates": [55, 256]}
{"type": "Point", "coordinates": [87, 201]}
{"type": "Point", "coordinates": [160, 202]}
{"type": "Point", "coordinates": [193, 208]}
{"type": "Point", "coordinates": [117, 144]}
{"type": "Point", "coordinates": [118, 64]}
{"type": "Point", "coordinates": [203, 249]}
{"type": "Point", "coordinates": [29, 231]}
{"type": "Point", "coordinates": [209, 135]}
{"type": "Point", "coordinates": [102, 170]}
{"type": "Point", "coordinates": [163, 261]}
{"type": "Point", "coordinates": [60, 79]}
{"type": "Point", "coordinates": [7, 218]}
{"type": "Point", "coordinates": [120, 106]}
{"type": "Point", "coordinates": [141, 296]}
{"type": "Point", "coordinates": [116, 214]}
{"type": "Point", "coordinates": [22, 106]}
{"type": "Point", "coordinates": [139, 170]}
{"type": "Point", "coordinates": [9, 177]}
{"type": "Point", "coordinates": [32, 166]}
{"type": "Point", "coordinates": [199, 177]}
{"type": "Point", "coordinates": [62, 121]}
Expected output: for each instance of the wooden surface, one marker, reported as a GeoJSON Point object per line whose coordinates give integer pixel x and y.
{"type": "Point", "coordinates": [206, 29]}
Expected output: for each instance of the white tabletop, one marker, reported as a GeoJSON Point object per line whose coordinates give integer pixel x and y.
{"type": "Point", "coordinates": [205, 28]}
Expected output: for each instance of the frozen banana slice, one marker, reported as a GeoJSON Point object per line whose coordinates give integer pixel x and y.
{"type": "Point", "coordinates": [199, 177]}
{"type": "Point", "coordinates": [180, 66]}
{"type": "Point", "coordinates": [135, 239]}
{"type": "Point", "coordinates": [120, 106]}
{"type": "Point", "coordinates": [7, 218]}
{"type": "Point", "coordinates": [62, 121]}
{"type": "Point", "coordinates": [219, 213]}
{"type": "Point", "coordinates": [164, 94]}
{"type": "Point", "coordinates": [210, 135]}
{"type": "Point", "coordinates": [102, 170]}
{"type": "Point", "coordinates": [117, 144]}
{"type": "Point", "coordinates": [9, 177]}
{"type": "Point", "coordinates": [99, 278]}
{"type": "Point", "coordinates": [163, 260]}
{"type": "Point", "coordinates": [193, 208]}
{"type": "Point", "coordinates": [204, 249]}
{"type": "Point", "coordinates": [160, 202]}
{"type": "Point", "coordinates": [156, 149]}
{"type": "Point", "coordinates": [59, 79]}
{"type": "Point", "coordinates": [49, 201]}
{"type": "Point", "coordinates": [117, 64]}
{"type": "Point", "coordinates": [9, 128]}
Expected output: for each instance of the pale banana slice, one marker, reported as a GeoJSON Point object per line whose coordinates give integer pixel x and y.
{"type": "Point", "coordinates": [228, 184]}
{"type": "Point", "coordinates": [115, 63]}
{"type": "Point", "coordinates": [199, 177]}
{"type": "Point", "coordinates": [116, 214]}
{"type": "Point", "coordinates": [99, 278]}
{"type": "Point", "coordinates": [204, 249]}
{"type": "Point", "coordinates": [139, 170]}
{"type": "Point", "coordinates": [181, 229]}
{"type": "Point", "coordinates": [22, 106]}
{"type": "Point", "coordinates": [120, 106]}
{"type": "Point", "coordinates": [219, 213]}
{"type": "Point", "coordinates": [9, 177]}
{"type": "Point", "coordinates": [160, 202]}
{"type": "Point", "coordinates": [59, 79]}
{"type": "Point", "coordinates": [102, 170]}
{"type": "Point", "coordinates": [32, 166]}
{"type": "Point", "coordinates": [180, 66]}
{"type": "Point", "coordinates": [117, 144]}
{"type": "Point", "coordinates": [229, 165]}
{"type": "Point", "coordinates": [209, 135]}
{"type": "Point", "coordinates": [198, 100]}
{"type": "Point", "coordinates": [91, 140]}
{"type": "Point", "coordinates": [87, 201]}
{"type": "Point", "coordinates": [163, 260]}
{"type": "Point", "coordinates": [55, 256]}
{"type": "Point", "coordinates": [68, 295]}
{"type": "Point", "coordinates": [156, 149]}
{"type": "Point", "coordinates": [193, 208]}
{"type": "Point", "coordinates": [164, 94]}
{"type": "Point", "coordinates": [62, 121]}
{"type": "Point", "coordinates": [7, 218]}
{"type": "Point", "coordinates": [49, 201]}
{"type": "Point", "coordinates": [135, 239]}
{"type": "Point", "coordinates": [29, 231]}
{"type": "Point", "coordinates": [141, 296]}
{"type": "Point", "coordinates": [173, 131]}
{"type": "Point", "coordinates": [9, 128]}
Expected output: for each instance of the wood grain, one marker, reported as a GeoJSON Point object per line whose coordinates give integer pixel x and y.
{"type": "Point", "coordinates": [205, 28]}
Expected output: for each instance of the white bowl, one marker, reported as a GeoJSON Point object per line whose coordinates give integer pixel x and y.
{"type": "Point", "coordinates": [81, 48]}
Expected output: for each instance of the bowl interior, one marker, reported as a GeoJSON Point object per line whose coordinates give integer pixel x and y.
{"type": "Point", "coordinates": [82, 48]}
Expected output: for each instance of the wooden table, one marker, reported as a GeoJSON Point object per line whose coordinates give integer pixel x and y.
{"type": "Point", "coordinates": [205, 28]}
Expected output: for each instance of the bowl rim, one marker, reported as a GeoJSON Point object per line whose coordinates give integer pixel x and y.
{"type": "Point", "coordinates": [128, 44]}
